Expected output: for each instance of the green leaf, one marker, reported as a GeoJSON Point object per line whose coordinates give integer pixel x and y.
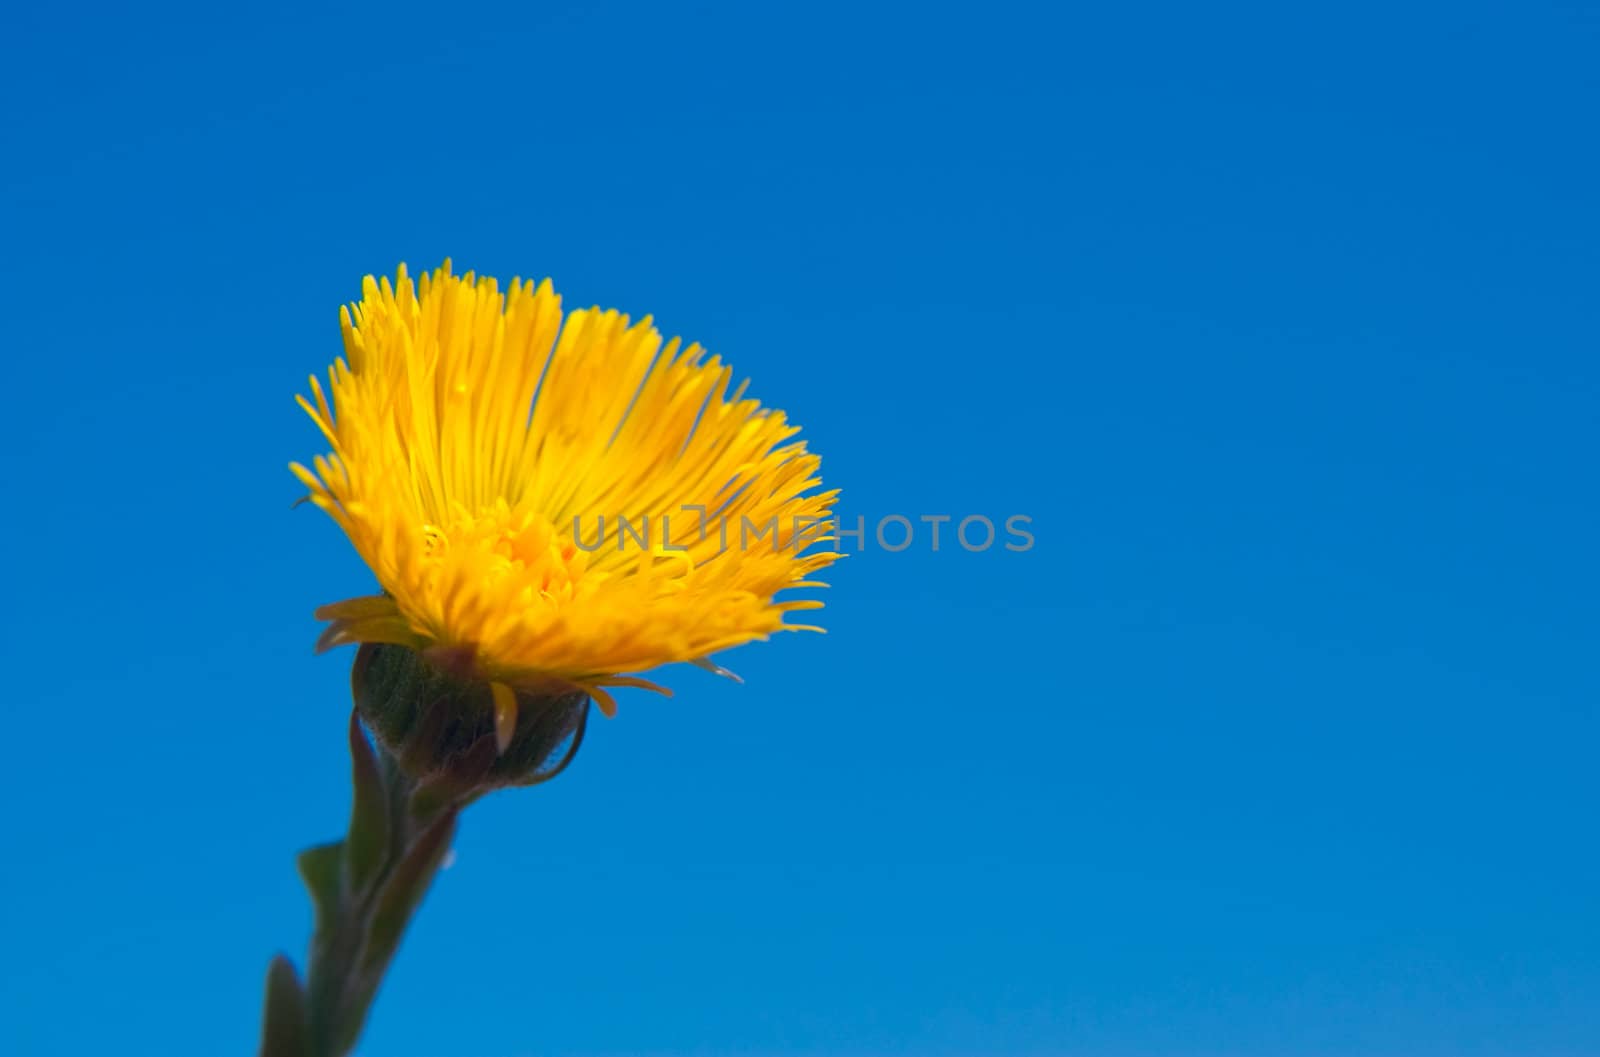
{"type": "Point", "coordinates": [284, 1030]}
{"type": "Point", "coordinates": [368, 843]}
{"type": "Point", "coordinates": [321, 868]}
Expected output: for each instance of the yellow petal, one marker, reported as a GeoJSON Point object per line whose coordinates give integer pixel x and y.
{"type": "Point", "coordinates": [472, 430]}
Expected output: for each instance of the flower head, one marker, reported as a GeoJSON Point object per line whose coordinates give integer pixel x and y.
{"type": "Point", "coordinates": [482, 445]}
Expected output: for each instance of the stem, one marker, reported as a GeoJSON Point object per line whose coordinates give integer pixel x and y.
{"type": "Point", "coordinates": [364, 890]}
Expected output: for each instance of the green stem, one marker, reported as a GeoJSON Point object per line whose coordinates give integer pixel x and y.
{"type": "Point", "coordinates": [427, 722]}
{"type": "Point", "coordinates": [364, 890]}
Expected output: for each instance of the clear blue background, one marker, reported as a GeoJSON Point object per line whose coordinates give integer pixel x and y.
{"type": "Point", "coordinates": [1279, 320]}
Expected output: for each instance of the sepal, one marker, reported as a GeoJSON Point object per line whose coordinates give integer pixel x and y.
{"type": "Point", "coordinates": [438, 723]}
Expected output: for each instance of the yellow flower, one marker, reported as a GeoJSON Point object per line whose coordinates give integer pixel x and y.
{"type": "Point", "coordinates": [478, 442]}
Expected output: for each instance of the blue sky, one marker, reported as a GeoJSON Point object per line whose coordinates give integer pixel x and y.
{"type": "Point", "coordinates": [1279, 321]}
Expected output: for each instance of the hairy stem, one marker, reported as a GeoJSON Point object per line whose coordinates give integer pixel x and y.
{"type": "Point", "coordinates": [364, 890]}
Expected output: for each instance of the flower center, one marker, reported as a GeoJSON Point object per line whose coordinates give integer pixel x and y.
{"type": "Point", "coordinates": [512, 553]}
